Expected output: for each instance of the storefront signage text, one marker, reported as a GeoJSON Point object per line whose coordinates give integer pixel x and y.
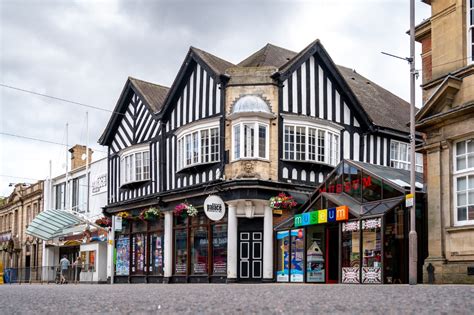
{"type": "Point", "coordinates": [322, 216]}
{"type": "Point", "coordinates": [347, 187]}
{"type": "Point", "coordinates": [214, 208]}
{"type": "Point", "coordinates": [99, 184]}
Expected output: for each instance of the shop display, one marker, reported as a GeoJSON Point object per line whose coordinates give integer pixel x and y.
{"type": "Point", "coordinates": [123, 256]}
{"type": "Point", "coordinates": [283, 240]}
{"type": "Point", "coordinates": [315, 262]}
{"type": "Point", "coordinates": [297, 255]}
{"type": "Point", "coordinates": [219, 242]}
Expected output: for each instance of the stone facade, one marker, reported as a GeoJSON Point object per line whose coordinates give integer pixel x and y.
{"type": "Point", "coordinates": [20, 208]}
{"type": "Point", "coordinates": [253, 81]}
{"type": "Point", "coordinates": [446, 118]}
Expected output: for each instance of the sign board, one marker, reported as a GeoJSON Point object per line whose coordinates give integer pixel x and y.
{"type": "Point", "coordinates": [409, 200]}
{"type": "Point", "coordinates": [214, 208]}
{"type": "Point", "coordinates": [118, 223]}
{"type": "Point", "coordinates": [99, 184]}
{"type": "Point", "coordinates": [322, 216]}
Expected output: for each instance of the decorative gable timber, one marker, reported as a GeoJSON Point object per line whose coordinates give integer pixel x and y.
{"type": "Point", "coordinates": [134, 117]}
{"type": "Point", "coordinates": [313, 82]}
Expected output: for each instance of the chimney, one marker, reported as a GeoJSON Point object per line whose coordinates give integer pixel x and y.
{"type": "Point", "coordinates": [77, 153]}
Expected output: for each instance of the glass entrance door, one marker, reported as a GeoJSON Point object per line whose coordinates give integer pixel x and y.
{"type": "Point", "coordinates": [316, 254]}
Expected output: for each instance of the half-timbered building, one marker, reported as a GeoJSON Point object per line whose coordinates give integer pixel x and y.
{"type": "Point", "coordinates": [278, 121]}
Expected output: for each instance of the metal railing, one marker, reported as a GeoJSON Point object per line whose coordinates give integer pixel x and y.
{"type": "Point", "coordinates": [49, 274]}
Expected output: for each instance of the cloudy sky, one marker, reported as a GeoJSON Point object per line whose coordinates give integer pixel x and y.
{"type": "Point", "coordinates": [84, 51]}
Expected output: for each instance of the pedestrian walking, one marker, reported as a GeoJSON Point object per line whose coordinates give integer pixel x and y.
{"type": "Point", "coordinates": [64, 264]}
{"type": "Point", "coordinates": [77, 268]}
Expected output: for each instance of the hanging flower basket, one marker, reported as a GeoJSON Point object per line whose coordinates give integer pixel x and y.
{"type": "Point", "coordinates": [185, 210]}
{"type": "Point", "coordinates": [126, 216]}
{"type": "Point", "coordinates": [282, 202]}
{"type": "Point", "coordinates": [150, 214]}
{"type": "Point", "coordinates": [104, 222]}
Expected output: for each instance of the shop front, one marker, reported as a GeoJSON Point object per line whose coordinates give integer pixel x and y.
{"type": "Point", "coordinates": [358, 235]}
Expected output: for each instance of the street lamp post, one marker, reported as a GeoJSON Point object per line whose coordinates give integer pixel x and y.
{"type": "Point", "coordinates": [412, 235]}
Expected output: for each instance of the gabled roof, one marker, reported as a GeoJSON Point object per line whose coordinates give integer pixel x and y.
{"type": "Point", "coordinates": [215, 65]}
{"type": "Point", "coordinates": [384, 108]}
{"type": "Point", "coordinates": [269, 55]}
{"type": "Point", "coordinates": [375, 101]}
{"type": "Point", "coordinates": [152, 95]}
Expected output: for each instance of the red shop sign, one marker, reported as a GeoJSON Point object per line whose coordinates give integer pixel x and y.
{"type": "Point", "coordinates": [348, 187]}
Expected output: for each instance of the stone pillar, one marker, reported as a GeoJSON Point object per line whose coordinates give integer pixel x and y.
{"type": "Point", "coordinates": [168, 247]}
{"type": "Point", "coordinates": [268, 245]}
{"type": "Point", "coordinates": [232, 244]}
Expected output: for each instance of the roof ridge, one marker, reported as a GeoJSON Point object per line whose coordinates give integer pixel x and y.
{"type": "Point", "coordinates": [148, 82]}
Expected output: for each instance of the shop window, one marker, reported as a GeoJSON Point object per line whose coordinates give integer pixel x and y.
{"type": "Point", "coordinates": [138, 253]}
{"type": "Point", "coordinates": [219, 248]}
{"type": "Point", "coordinates": [283, 254]}
{"type": "Point", "coordinates": [350, 252]}
{"type": "Point", "coordinates": [372, 251]}
{"type": "Point", "coordinates": [88, 260]}
{"type": "Point", "coordinates": [394, 247]}
{"type": "Point", "coordinates": [309, 142]}
{"type": "Point", "coordinates": [315, 260]}
{"type": "Point", "coordinates": [297, 255]}
{"type": "Point", "coordinates": [122, 264]}
{"type": "Point", "coordinates": [351, 182]}
{"type": "Point", "coordinates": [400, 156]}
{"type": "Point", "coordinates": [156, 253]}
{"type": "Point", "coordinates": [199, 251]}
{"type": "Point", "coordinates": [181, 252]}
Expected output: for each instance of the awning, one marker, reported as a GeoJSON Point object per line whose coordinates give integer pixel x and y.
{"type": "Point", "coordinates": [51, 223]}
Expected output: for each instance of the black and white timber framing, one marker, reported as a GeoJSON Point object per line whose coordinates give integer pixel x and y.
{"type": "Point", "coordinates": [310, 85]}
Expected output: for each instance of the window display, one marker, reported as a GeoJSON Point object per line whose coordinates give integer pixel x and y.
{"type": "Point", "coordinates": [219, 242]}
{"type": "Point", "coordinates": [372, 250]}
{"type": "Point", "coordinates": [156, 254]}
{"type": "Point", "coordinates": [315, 262]}
{"type": "Point", "coordinates": [181, 253]}
{"type": "Point", "coordinates": [138, 253]}
{"type": "Point", "coordinates": [297, 255]}
{"type": "Point", "coordinates": [283, 247]}
{"type": "Point", "coordinates": [199, 248]}
{"type": "Point", "coordinates": [123, 256]}
{"type": "Point", "coordinates": [350, 252]}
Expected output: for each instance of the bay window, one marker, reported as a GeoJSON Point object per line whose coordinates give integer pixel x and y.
{"type": "Point", "coordinates": [310, 143]}
{"type": "Point", "coordinates": [250, 140]}
{"type": "Point", "coordinates": [198, 146]}
{"type": "Point", "coordinates": [400, 156]}
{"type": "Point", "coordinates": [135, 166]}
{"type": "Point", "coordinates": [464, 182]}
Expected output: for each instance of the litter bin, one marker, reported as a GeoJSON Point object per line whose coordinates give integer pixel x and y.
{"type": "Point", "coordinates": [6, 276]}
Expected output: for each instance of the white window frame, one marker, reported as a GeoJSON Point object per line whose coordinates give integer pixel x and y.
{"type": "Point", "coordinates": [466, 172]}
{"type": "Point", "coordinates": [332, 153]}
{"type": "Point", "coordinates": [187, 133]}
{"type": "Point", "coordinates": [470, 31]}
{"type": "Point", "coordinates": [256, 123]}
{"type": "Point", "coordinates": [406, 162]}
{"type": "Point", "coordinates": [128, 166]}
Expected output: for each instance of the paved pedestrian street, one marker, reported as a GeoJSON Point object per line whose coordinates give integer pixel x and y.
{"type": "Point", "coordinates": [236, 299]}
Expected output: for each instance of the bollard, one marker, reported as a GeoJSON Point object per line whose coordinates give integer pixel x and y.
{"type": "Point", "coordinates": [431, 278]}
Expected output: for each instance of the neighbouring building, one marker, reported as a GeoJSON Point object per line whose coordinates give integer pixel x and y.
{"type": "Point", "coordinates": [17, 249]}
{"type": "Point", "coordinates": [77, 197]}
{"type": "Point", "coordinates": [223, 140]}
{"type": "Point", "coordinates": [447, 120]}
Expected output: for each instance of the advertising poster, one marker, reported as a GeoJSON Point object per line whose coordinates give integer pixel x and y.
{"type": "Point", "coordinates": [297, 255]}
{"type": "Point", "coordinates": [315, 262]}
{"type": "Point", "coordinates": [283, 239]}
{"type": "Point", "coordinates": [123, 256]}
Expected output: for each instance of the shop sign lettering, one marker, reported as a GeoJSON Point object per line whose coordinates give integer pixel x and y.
{"type": "Point", "coordinates": [214, 208]}
{"type": "Point", "coordinates": [322, 216]}
{"type": "Point", "coordinates": [347, 187]}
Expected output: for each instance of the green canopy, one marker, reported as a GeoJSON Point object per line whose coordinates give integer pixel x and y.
{"type": "Point", "coordinates": [51, 223]}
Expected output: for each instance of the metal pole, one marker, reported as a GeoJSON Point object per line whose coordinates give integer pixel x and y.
{"type": "Point", "coordinates": [412, 236]}
{"type": "Point", "coordinates": [87, 162]}
{"type": "Point", "coordinates": [112, 240]}
{"type": "Point", "coordinates": [66, 192]}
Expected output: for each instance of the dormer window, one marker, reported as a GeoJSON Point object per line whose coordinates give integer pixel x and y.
{"type": "Point", "coordinates": [135, 165]}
